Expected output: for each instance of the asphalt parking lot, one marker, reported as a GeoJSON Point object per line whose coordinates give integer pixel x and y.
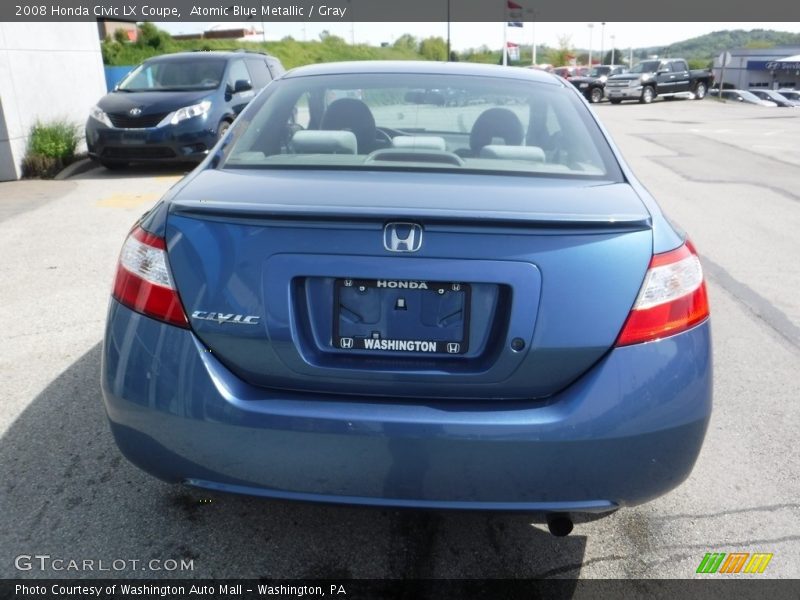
{"type": "Point", "coordinates": [728, 174]}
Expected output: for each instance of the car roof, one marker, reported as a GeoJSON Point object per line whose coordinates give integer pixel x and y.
{"type": "Point", "coordinates": [205, 55]}
{"type": "Point", "coordinates": [423, 67]}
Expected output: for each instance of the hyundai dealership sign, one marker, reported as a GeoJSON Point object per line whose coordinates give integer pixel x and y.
{"type": "Point", "coordinates": [791, 64]}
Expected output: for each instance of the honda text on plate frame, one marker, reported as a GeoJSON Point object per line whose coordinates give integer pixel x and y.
{"type": "Point", "coordinates": [412, 284]}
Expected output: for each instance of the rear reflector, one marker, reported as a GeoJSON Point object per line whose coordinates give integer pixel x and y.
{"type": "Point", "coordinates": [143, 282]}
{"type": "Point", "coordinates": [672, 298]}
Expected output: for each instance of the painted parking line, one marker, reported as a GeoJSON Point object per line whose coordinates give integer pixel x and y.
{"type": "Point", "coordinates": [127, 200]}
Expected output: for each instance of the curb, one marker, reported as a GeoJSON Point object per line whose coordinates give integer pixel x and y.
{"type": "Point", "coordinates": [76, 168]}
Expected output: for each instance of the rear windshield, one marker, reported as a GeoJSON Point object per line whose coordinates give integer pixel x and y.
{"type": "Point", "coordinates": [421, 122]}
{"type": "Point", "coordinates": [174, 75]}
{"type": "Point", "coordinates": [648, 66]}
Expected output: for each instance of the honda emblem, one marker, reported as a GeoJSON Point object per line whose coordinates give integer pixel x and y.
{"type": "Point", "coordinates": [402, 237]}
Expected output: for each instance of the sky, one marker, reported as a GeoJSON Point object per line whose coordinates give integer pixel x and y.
{"type": "Point", "coordinates": [473, 35]}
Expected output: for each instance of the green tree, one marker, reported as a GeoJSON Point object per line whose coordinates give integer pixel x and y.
{"type": "Point", "coordinates": [152, 36]}
{"type": "Point", "coordinates": [121, 36]}
{"type": "Point", "coordinates": [331, 40]}
{"type": "Point", "coordinates": [110, 51]}
{"type": "Point", "coordinates": [406, 42]}
{"type": "Point", "coordinates": [618, 56]}
{"type": "Point", "coordinates": [759, 44]}
{"type": "Point", "coordinates": [563, 54]}
{"type": "Point", "coordinates": [700, 63]}
{"type": "Point", "coordinates": [433, 48]}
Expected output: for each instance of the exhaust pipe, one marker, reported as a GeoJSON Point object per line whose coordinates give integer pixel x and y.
{"type": "Point", "coordinates": [559, 524]}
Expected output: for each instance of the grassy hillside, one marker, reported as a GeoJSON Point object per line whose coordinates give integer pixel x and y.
{"type": "Point", "coordinates": [706, 47]}
{"type": "Point", "coordinates": [291, 53]}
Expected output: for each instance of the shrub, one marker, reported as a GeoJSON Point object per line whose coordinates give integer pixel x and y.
{"type": "Point", "coordinates": [36, 165]}
{"type": "Point", "coordinates": [50, 148]}
{"type": "Point", "coordinates": [56, 140]}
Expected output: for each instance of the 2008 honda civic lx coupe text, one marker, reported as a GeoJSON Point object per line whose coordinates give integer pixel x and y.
{"type": "Point", "coordinates": [412, 284]}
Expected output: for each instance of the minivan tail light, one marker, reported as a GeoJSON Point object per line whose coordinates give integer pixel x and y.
{"type": "Point", "coordinates": [672, 298]}
{"type": "Point", "coordinates": [143, 282]}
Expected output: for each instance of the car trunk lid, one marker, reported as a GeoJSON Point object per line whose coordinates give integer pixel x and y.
{"type": "Point", "coordinates": [517, 287]}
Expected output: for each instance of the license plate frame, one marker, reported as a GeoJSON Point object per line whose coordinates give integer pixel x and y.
{"type": "Point", "coordinates": [133, 138]}
{"type": "Point", "coordinates": [389, 293]}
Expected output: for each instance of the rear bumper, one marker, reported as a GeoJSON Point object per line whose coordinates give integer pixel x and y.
{"type": "Point", "coordinates": [626, 432]}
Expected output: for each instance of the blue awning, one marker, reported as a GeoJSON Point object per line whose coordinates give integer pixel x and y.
{"type": "Point", "coordinates": [790, 63]}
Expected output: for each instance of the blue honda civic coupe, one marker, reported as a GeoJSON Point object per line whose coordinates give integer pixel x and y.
{"type": "Point", "coordinates": [413, 285]}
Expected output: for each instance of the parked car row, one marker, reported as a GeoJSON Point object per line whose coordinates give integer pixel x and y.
{"type": "Point", "coordinates": [668, 78]}
{"type": "Point", "coordinates": [175, 107]}
{"type": "Point", "coordinates": [570, 72]}
{"type": "Point", "coordinates": [761, 97]}
{"type": "Point", "coordinates": [775, 97]}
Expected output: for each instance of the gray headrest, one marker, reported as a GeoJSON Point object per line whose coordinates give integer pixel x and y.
{"type": "Point", "coordinates": [426, 142]}
{"type": "Point", "coordinates": [496, 123]}
{"type": "Point", "coordinates": [351, 114]}
{"type": "Point", "coordinates": [323, 142]}
{"type": "Point", "coordinates": [529, 153]}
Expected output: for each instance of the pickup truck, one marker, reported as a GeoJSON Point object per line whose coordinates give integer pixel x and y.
{"type": "Point", "coordinates": [665, 77]}
{"type": "Point", "coordinates": [593, 84]}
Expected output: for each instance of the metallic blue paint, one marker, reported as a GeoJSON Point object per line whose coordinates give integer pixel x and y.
{"type": "Point", "coordinates": [278, 260]}
{"type": "Point", "coordinates": [627, 431]}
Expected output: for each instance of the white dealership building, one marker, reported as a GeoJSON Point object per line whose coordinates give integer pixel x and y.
{"type": "Point", "coordinates": [772, 68]}
{"type": "Point", "coordinates": [48, 71]}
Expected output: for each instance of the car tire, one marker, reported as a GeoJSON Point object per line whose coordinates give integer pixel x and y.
{"type": "Point", "coordinates": [596, 95]}
{"type": "Point", "coordinates": [222, 128]}
{"type": "Point", "coordinates": [648, 94]}
{"type": "Point", "coordinates": [700, 90]}
{"type": "Point", "coordinates": [615, 100]}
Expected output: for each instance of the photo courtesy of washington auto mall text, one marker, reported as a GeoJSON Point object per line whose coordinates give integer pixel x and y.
{"type": "Point", "coordinates": [181, 590]}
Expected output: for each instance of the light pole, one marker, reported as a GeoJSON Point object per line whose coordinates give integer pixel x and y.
{"type": "Point", "coordinates": [448, 31]}
{"type": "Point", "coordinates": [590, 26]}
{"type": "Point", "coordinates": [602, 42]}
{"type": "Point", "coordinates": [352, 23]}
{"type": "Point", "coordinates": [613, 37]}
{"type": "Point", "coordinates": [533, 40]}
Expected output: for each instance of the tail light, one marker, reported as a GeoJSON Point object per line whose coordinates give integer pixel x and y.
{"type": "Point", "coordinates": [672, 298]}
{"type": "Point", "coordinates": [143, 281]}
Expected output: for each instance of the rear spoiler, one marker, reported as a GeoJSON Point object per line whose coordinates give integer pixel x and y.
{"type": "Point", "coordinates": [260, 211]}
